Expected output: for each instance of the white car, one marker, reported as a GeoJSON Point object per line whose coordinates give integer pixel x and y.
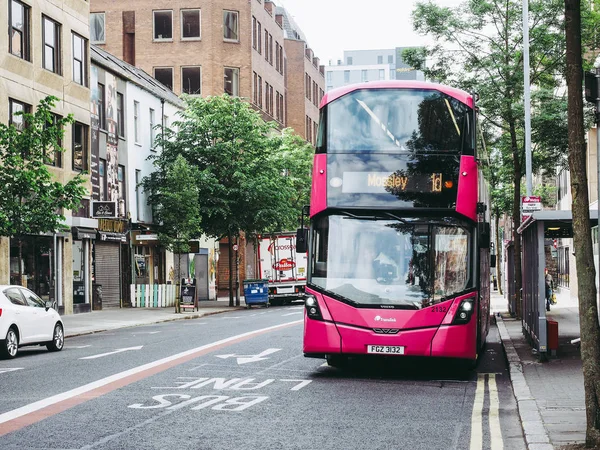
{"type": "Point", "coordinates": [25, 319]}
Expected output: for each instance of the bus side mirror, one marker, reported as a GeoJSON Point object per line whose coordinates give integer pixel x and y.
{"type": "Point", "coordinates": [301, 245]}
{"type": "Point", "coordinates": [484, 235]}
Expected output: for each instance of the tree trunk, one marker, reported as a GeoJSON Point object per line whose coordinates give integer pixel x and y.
{"type": "Point", "coordinates": [582, 242]}
{"type": "Point", "coordinates": [516, 217]}
{"type": "Point", "coordinates": [237, 275]}
{"type": "Point", "coordinates": [230, 247]}
{"type": "Point", "coordinates": [20, 241]}
{"type": "Point", "coordinates": [178, 291]}
{"type": "Point", "coordinates": [498, 255]}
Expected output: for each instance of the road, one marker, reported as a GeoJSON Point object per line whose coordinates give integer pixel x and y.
{"type": "Point", "coordinates": [238, 380]}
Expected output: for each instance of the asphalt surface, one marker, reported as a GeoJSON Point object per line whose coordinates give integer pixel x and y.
{"type": "Point", "coordinates": [214, 383]}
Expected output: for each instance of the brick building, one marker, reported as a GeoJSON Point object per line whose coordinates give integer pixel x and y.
{"type": "Point", "coordinates": [305, 79]}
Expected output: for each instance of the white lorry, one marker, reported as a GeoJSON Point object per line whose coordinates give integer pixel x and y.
{"type": "Point", "coordinates": [282, 266]}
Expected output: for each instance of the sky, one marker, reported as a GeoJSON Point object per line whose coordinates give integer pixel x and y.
{"type": "Point", "coordinates": [332, 26]}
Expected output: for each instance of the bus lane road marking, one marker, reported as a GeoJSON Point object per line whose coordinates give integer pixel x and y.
{"type": "Point", "coordinates": [34, 412]}
{"type": "Point", "coordinates": [245, 359]}
{"type": "Point", "coordinates": [10, 369]}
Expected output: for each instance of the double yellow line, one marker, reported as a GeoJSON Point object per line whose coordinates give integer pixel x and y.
{"type": "Point", "coordinates": [493, 414]}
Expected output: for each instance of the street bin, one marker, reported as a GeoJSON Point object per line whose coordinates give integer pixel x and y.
{"type": "Point", "coordinates": [96, 297]}
{"type": "Point", "coordinates": [256, 292]}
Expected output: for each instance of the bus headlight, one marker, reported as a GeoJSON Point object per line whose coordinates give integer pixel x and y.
{"type": "Point", "coordinates": [464, 312]}
{"type": "Point", "coordinates": [312, 307]}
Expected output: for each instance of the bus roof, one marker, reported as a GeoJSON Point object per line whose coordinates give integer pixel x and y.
{"type": "Point", "coordinates": [458, 94]}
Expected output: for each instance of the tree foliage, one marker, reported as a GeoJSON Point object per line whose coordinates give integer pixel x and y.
{"type": "Point", "coordinates": [249, 177]}
{"type": "Point", "coordinates": [32, 200]}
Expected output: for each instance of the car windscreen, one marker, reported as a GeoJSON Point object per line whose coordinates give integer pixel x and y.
{"type": "Point", "coordinates": [401, 262]}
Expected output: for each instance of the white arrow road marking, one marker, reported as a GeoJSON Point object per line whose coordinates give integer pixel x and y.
{"type": "Point", "coordinates": [78, 346]}
{"type": "Point", "coordinates": [145, 332]}
{"type": "Point", "coordinates": [291, 314]}
{"type": "Point", "coordinates": [113, 352]}
{"type": "Point", "coordinates": [244, 359]}
{"type": "Point", "coordinates": [10, 369]}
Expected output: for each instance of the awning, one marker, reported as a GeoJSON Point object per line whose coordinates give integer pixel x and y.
{"type": "Point", "coordinates": [84, 233]}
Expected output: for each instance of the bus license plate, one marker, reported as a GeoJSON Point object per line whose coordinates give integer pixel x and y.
{"type": "Point", "coordinates": [386, 349]}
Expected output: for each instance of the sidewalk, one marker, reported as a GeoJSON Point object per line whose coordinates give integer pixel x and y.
{"type": "Point", "coordinates": [113, 318]}
{"type": "Point", "coordinates": [550, 395]}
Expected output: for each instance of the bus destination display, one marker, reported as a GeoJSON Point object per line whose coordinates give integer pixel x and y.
{"type": "Point", "coordinates": [391, 182]}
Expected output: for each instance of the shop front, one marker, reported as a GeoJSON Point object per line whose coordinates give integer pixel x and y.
{"type": "Point", "coordinates": [83, 239]}
{"type": "Point", "coordinates": [148, 259]}
{"type": "Point", "coordinates": [111, 262]}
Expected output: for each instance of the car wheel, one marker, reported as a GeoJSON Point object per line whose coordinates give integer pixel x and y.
{"type": "Point", "coordinates": [11, 344]}
{"type": "Point", "coordinates": [58, 339]}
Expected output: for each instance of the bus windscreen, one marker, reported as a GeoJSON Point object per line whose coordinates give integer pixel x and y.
{"type": "Point", "coordinates": [403, 263]}
{"type": "Point", "coordinates": [396, 120]}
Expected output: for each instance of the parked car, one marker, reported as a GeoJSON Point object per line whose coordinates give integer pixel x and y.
{"type": "Point", "coordinates": [25, 319]}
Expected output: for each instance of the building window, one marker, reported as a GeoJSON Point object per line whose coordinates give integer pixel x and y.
{"type": "Point", "coordinates": [260, 93]}
{"type": "Point", "coordinates": [232, 81]}
{"type": "Point", "coordinates": [18, 31]}
{"type": "Point", "coordinates": [259, 36]}
{"type": "Point", "coordinates": [382, 74]}
{"type": "Point", "coordinates": [101, 108]}
{"type": "Point", "coordinates": [16, 110]}
{"type": "Point", "coordinates": [51, 55]}
{"type": "Point", "coordinates": [270, 49]}
{"type": "Point", "coordinates": [254, 29]}
{"type": "Point", "coordinates": [120, 115]}
{"type": "Point", "coordinates": [97, 35]}
{"type": "Point", "coordinates": [102, 178]}
{"type": "Point", "coordinates": [164, 75]}
{"type": "Point", "coordinates": [349, 60]}
{"type": "Point", "coordinates": [191, 80]}
{"type": "Point", "coordinates": [329, 77]}
{"type": "Point", "coordinates": [152, 124]}
{"type": "Point", "coordinates": [163, 25]}
{"type": "Point", "coordinates": [136, 121]}
{"type": "Point", "coordinates": [138, 208]}
{"type": "Point", "coordinates": [363, 75]}
{"type": "Point", "coordinates": [53, 155]}
{"type": "Point", "coordinates": [346, 76]}
{"type": "Point", "coordinates": [266, 45]}
{"type": "Point", "coordinates": [190, 24]}
{"type": "Point", "coordinates": [80, 147]}
{"type": "Point", "coordinates": [79, 60]}
{"type": "Point", "coordinates": [380, 59]}
{"type": "Point", "coordinates": [306, 86]}
{"type": "Point", "coordinates": [390, 59]}
{"type": "Point", "coordinates": [121, 185]}
{"type": "Point", "coordinates": [231, 26]}
{"type": "Point", "coordinates": [254, 88]}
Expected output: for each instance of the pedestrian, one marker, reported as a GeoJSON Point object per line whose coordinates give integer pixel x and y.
{"type": "Point", "coordinates": [549, 283]}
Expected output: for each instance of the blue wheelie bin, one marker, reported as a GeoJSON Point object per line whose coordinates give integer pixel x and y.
{"type": "Point", "coordinates": [256, 292]}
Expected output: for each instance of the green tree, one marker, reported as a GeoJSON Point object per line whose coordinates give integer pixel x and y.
{"type": "Point", "coordinates": [480, 49]}
{"type": "Point", "coordinates": [174, 201]}
{"type": "Point", "coordinates": [238, 157]}
{"type": "Point", "coordinates": [32, 202]}
{"type": "Point", "coordinates": [586, 274]}
{"type": "Point", "coordinates": [294, 159]}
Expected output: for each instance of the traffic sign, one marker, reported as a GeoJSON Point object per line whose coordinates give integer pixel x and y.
{"type": "Point", "coordinates": [531, 203]}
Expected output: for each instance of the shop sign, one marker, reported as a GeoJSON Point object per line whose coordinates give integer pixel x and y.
{"type": "Point", "coordinates": [146, 237]}
{"type": "Point", "coordinates": [104, 209]}
{"type": "Point", "coordinates": [112, 226]}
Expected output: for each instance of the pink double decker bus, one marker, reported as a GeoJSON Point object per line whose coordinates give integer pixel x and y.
{"type": "Point", "coordinates": [398, 244]}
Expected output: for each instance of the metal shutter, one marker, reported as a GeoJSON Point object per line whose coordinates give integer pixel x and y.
{"type": "Point", "coordinates": [108, 273]}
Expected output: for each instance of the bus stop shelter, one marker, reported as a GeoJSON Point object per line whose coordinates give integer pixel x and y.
{"type": "Point", "coordinates": [541, 225]}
